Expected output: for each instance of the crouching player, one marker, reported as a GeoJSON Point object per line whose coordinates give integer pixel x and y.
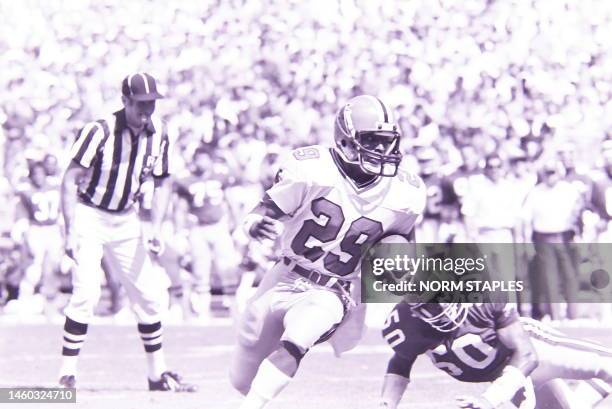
{"type": "Point", "coordinates": [526, 362]}
{"type": "Point", "coordinates": [333, 203]}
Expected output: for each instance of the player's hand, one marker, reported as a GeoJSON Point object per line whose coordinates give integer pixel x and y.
{"type": "Point", "coordinates": [264, 228]}
{"type": "Point", "coordinates": [473, 402]}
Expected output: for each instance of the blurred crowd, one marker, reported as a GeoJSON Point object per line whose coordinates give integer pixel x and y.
{"type": "Point", "coordinates": [493, 97]}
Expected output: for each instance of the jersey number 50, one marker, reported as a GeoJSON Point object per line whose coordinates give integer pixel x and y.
{"type": "Point", "coordinates": [362, 232]}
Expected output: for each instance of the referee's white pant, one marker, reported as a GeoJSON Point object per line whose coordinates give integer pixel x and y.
{"type": "Point", "coordinates": [118, 237]}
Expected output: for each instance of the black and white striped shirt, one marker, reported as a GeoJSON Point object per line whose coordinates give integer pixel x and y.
{"type": "Point", "coordinates": [118, 162]}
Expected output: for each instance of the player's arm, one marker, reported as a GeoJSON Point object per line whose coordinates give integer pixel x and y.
{"type": "Point", "coordinates": [396, 380]}
{"type": "Point", "coordinates": [281, 200]}
{"type": "Point", "coordinates": [522, 362]}
{"type": "Point", "coordinates": [259, 223]}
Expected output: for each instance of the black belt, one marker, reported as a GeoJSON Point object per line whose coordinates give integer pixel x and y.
{"type": "Point", "coordinates": [318, 278]}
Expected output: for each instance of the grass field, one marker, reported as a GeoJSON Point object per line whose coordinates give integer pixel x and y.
{"type": "Point", "coordinates": [112, 370]}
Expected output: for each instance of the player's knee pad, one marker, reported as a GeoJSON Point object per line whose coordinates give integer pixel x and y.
{"type": "Point", "coordinates": [307, 322]}
{"type": "Point", "coordinates": [294, 350]}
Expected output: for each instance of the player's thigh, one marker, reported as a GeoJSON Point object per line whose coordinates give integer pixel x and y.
{"type": "Point", "coordinates": [259, 332]}
{"type": "Point", "coordinates": [53, 251]}
{"type": "Point", "coordinates": [315, 313]}
{"type": "Point", "coordinates": [201, 251]}
{"type": "Point", "coordinates": [261, 324]}
{"type": "Point", "coordinates": [37, 243]}
{"type": "Point", "coordinates": [555, 394]}
{"type": "Point", "coordinates": [226, 256]}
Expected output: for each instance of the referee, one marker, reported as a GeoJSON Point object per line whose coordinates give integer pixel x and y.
{"type": "Point", "coordinates": [111, 158]}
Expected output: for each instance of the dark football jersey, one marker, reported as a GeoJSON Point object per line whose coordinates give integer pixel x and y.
{"type": "Point", "coordinates": [471, 353]}
{"type": "Point", "coordinates": [40, 203]}
{"type": "Point", "coordinates": [435, 197]}
{"type": "Point", "coordinates": [204, 195]}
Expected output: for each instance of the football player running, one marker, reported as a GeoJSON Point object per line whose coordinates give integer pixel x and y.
{"type": "Point", "coordinates": [331, 203]}
{"type": "Point", "coordinates": [525, 361]}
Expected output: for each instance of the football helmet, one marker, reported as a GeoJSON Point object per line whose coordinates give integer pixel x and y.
{"type": "Point", "coordinates": [37, 173]}
{"type": "Point", "coordinates": [445, 317]}
{"type": "Point", "coordinates": [366, 134]}
{"type": "Point", "coordinates": [428, 302]}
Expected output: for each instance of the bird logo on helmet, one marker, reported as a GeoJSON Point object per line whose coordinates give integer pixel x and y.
{"type": "Point", "coordinates": [366, 134]}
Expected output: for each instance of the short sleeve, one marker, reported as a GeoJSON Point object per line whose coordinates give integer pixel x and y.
{"type": "Point", "coordinates": [290, 189]}
{"type": "Point", "coordinates": [86, 147]}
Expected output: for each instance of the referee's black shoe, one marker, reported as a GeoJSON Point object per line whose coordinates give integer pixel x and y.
{"type": "Point", "coordinates": [171, 381]}
{"type": "Point", "coordinates": [67, 381]}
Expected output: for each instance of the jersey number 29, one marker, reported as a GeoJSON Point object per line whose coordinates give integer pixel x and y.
{"type": "Point", "coordinates": [362, 232]}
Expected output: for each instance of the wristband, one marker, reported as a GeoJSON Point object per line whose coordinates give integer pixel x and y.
{"type": "Point", "coordinates": [506, 386]}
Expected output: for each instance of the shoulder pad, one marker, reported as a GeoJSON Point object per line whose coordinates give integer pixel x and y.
{"type": "Point", "coordinates": [408, 192]}
{"type": "Point", "coordinates": [310, 164]}
{"type": "Point", "coordinates": [307, 153]}
{"type": "Point", "coordinates": [405, 176]}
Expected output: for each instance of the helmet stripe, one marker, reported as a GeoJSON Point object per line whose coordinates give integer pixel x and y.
{"type": "Point", "coordinates": [348, 121]}
{"type": "Point", "coordinates": [384, 108]}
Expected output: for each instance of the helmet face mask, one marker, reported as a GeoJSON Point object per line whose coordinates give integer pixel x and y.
{"type": "Point", "coordinates": [444, 317]}
{"type": "Point", "coordinates": [366, 135]}
{"type": "Point", "coordinates": [379, 152]}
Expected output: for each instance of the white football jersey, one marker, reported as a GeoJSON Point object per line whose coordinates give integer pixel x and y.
{"type": "Point", "coordinates": [331, 220]}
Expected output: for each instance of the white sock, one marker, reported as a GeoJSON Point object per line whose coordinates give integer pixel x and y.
{"type": "Point", "coordinates": [156, 363]}
{"type": "Point", "coordinates": [69, 365]}
{"type": "Point", "coordinates": [268, 383]}
{"type": "Point", "coordinates": [253, 401]}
